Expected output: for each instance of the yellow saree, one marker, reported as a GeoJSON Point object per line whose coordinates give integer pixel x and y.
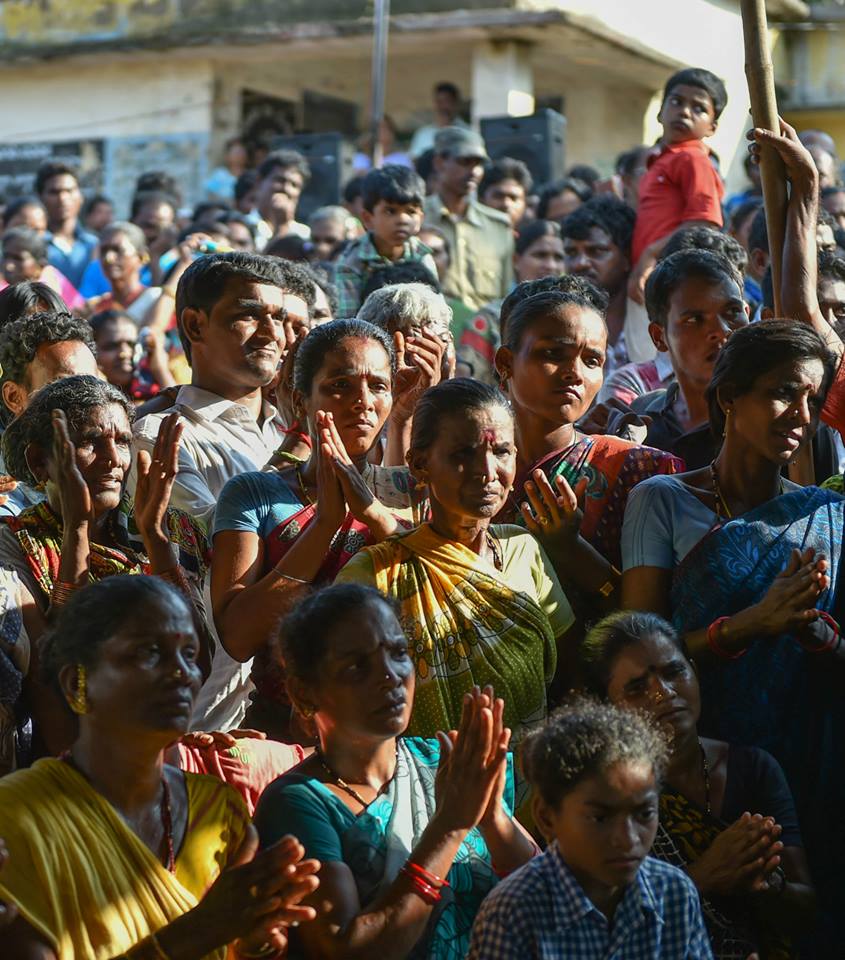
{"type": "Point", "coordinates": [468, 623]}
{"type": "Point", "coordinates": [84, 880]}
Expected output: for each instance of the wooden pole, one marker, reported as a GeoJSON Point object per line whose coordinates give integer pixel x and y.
{"type": "Point", "coordinates": [381, 26]}
{"type": "Point", "coordinates": [764, 113]}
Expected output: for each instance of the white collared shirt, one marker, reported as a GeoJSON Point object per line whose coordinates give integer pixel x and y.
{"type": "Point", "coordinates": [220, 440]}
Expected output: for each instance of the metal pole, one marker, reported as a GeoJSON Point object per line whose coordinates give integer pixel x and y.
{"type": "Point", "coordinates": [381, 26]}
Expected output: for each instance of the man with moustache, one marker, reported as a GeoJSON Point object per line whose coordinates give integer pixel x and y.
{"type": "Point", "coordinates": [479, 237]}
{"type": "Point", "coordinates": [236, 313]}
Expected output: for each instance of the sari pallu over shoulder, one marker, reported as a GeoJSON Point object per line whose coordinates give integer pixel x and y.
{"type": "Point", "coordinates": [777, 696]}
{"type": "Point", "coordinates": [465, 626]}
{"type": "Point", "coordinates": [84, 880]}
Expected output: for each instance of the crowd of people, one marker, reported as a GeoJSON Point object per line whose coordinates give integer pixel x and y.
{"type": "Point", "coordinates": [454, 575]}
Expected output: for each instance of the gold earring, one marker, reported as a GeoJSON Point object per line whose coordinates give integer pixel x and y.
{"type": "Point", "coordinates": [727, 420]}
{"type": "Point", "coordinates": [307, 713]}
{"type": "Point", "coordinates": [79, 703]}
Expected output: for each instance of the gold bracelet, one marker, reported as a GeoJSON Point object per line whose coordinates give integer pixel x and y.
{"type": "Point", "coordinates": [287, 576]}
{"type": "Point", "coordinates": [62, 591]}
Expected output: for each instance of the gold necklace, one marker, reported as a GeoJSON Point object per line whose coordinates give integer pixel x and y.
{"type": "Point", "coordinates": [340, 782]}
{"type": "Point", "coordinates": [721, 503]}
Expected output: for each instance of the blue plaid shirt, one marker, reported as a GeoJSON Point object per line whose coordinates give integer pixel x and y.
{"type": "Point", "coordinates": [540, 912]}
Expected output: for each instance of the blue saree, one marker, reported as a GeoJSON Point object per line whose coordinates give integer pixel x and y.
{"type": "Point", "coordinates": [778, 696]}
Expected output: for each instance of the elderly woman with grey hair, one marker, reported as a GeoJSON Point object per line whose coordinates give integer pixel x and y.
{"type": "Point", "coordinates": [419, 321]}
{"type": "Point", "coordinates": [123, 253]}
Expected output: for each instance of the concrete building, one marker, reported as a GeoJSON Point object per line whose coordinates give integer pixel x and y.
{"type": "Point", "coordinates": [128, 85]}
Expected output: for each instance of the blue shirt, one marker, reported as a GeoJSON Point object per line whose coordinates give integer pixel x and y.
{"type": "Point", "coordinates": [540, 912]}
{"type": "Point", "coordinates": [73, 262]}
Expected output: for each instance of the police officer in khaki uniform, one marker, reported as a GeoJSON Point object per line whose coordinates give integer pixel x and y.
{"type": "Point", "coordinates": [480, 237]}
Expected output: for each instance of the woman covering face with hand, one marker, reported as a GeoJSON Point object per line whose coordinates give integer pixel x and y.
{"type": "Point", "coordinates": [113, 853]}
{"type": "Point", "coordinates": [278, 531]}
{"type": "Point", "coordinates": [410, 833]}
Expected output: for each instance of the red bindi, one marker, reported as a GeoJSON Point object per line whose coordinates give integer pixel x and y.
{"type": "Point", "coordinates": [489, 436]}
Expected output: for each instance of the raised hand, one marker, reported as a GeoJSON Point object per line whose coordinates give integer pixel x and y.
{"type": "Point", "coordinates": [74, 496]}
{"type": "Point", "coordinates": [789, 603]}
{"type": "Point", "coordinates": [259, 894]}
{"type": "Point", "coordinates": [331, 503]}
{"type": "Point", "coordinates": [156, 475]}
{"type": "Point", "coordinates": [472, 764]}
{"type": "Point", "coordinates": [797, 159]}
{"type": "Point", "coordinates": [425, 353]}
{"type": "Point", "coordinates": [740, 858]}
{"type": "Point", "coordinates": [552, 515]}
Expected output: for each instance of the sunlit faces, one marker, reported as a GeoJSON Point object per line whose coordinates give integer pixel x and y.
{"type": "Point", "coordinates": [243, 337]}
{"type": "Point", "coordinates": [366, 685]}
{"type": "Point", "coordinates": [154, 217]}
{"type": "Point", "coordinates": [831, 293]}
{"type": "Point", "coordinates": [557, 368]}
{"type": "Point", "coordinates": [326, 236]}
{"type": "Point", "coordinates": [355, 385]}
{"type": "Point", "coordinates": [605, 826]}
{"type": "Point", "coordinates": [278, 193]}
{"type": "Point", "coordinates": [116, 343]}
{"type": "Point", "coordinates": [62, 197]}
{"type": "Point", "coordinates": [18, 262]}
{"type": "Point", "coordinates": [687, 114]}
{"type": "Point", "coordinates": [147, 676]}
{"type": "Point", "coordinates": [392, 224]}
{"type": "Point", "coordinates": [779, 410]}
{"type": "Point", "coordinates": [459, 175]}
{"type": "Point", "coordinates": [834, 203]}
{"type": "Point", "coordinates": [471, 465]}
{"type": "Point", "coordinates": [439, 251]}
{"type": "Point", "coordinates": [543, 258]}
{"type": "Point", "coordinates": [560, 206]}
{"type": "Point", "coordinates": [652, 674]}
{"type": "Point", "coordinates": [596, 258]}
{"type": "Point", "coordinates": [702, 315]}
{"type": "Point", "coordinates": [103, 458]}
{"type": "Point", "coordinates": [507, 196]}
{"type": "Point", "coordinates": [119, 257]}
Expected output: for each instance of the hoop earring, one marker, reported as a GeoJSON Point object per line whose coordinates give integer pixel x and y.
{"type": "Point", "coordinates": [79, 703]}
{"type": "Point", "coordinates": [727, 421]}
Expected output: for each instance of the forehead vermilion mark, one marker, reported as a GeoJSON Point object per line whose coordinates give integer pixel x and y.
{"type": "Point", "coordinates": [489, 436]}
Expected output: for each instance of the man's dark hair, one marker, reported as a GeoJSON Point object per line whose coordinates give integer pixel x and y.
{"type": "Point", "coordinates": [235, 216]}
{"type": "Point", "coordinates": [571, 292]}
{"type": "Point", "coordinates": [704, 80]}
{"type": "Point", "coordinates": [446, 87]}
{"type": "Point", "coordinates": [245, 182]}
{"type": "Point", "coordinates": [285, 158]}
{"type": "Point", "coordinates": [424, 163]}
{"type": "Point", "coordinates": [52, 169]}
{"type": "Point", "coordinates": [671, 272]}
{"type": "Point", "coordinates": [626, 162]}
{"type": "Point", "coordinates": [30, 240]}
{"type": "Point", "coordinates": [831, 266]}
{"type": "Point", "coordinates": [28, 297]}
{"type": "Point", "coordinates": [17, 204]}
{"type": "Point", "coordinates": [701, 237]}
{"type": "Point", "coordinates": [149, 197]}
{"type": "Point", "coordinates": [20, 340]}
{"type": "Point", "coordinates": [831, 190]}
{"type": "Point", "coordinates": [411, 271]}
{"type": "Point", "coordinates": [323, 280]}
{"type": "Point", "coordinates": [743, 211]}
{"type": "Point", "coordinates": [161, 182]}
{"type": "Point", "coordinates": [557, 187]}
{"type": "Point", "coordinates": [585, 173]}
{"type": "Point", "coordinates": [758, 235]}
{"type": "Point", "coordinates": [505, 168]}
{"type": "Point", "coordinates": [393, 184]}
{"type": "Point", "coordinates": [204, 282]}
{"type": "Point", "coordinates": [607, 213]}
{"type": "Point", "coordinates": [532, 231]}
{"type": "Point", "coordinates": [352, 189]}
{"type": "Point", "coordinates": [94, 200]}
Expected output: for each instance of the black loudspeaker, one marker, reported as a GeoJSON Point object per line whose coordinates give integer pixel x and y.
{"type": "Point", "coordinates": [330, 158]}
{"type": "Point", "coordinates": [538, 141]}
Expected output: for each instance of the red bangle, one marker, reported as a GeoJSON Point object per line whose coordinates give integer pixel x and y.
{"type": "Point", "coordinates": [414, 869]}
{"type": "Point", "coordinates": [831, 644]}
{"type": "Point", "coordinates": [713, 641]}
{"type": "Point", "coordinates": [424, 890]}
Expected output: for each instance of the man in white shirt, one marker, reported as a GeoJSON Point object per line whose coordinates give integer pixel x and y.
{"type": "Point", "coordinates": [236, 312]}
{"type": "Point", "coordinates": [281, 179]}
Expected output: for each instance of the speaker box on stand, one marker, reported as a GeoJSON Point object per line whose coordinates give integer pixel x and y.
{"type": "Point", "coordinates": [539, 141]}
{"type": "Point", "coordinates": [329, 156]}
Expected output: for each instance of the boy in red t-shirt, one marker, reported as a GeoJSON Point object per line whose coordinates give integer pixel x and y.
{"type": "Point", "coordinates": [681, 185]}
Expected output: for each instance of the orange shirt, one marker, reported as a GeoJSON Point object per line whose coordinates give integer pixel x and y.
{"type": "Point", "coordinates": [680, 184]}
